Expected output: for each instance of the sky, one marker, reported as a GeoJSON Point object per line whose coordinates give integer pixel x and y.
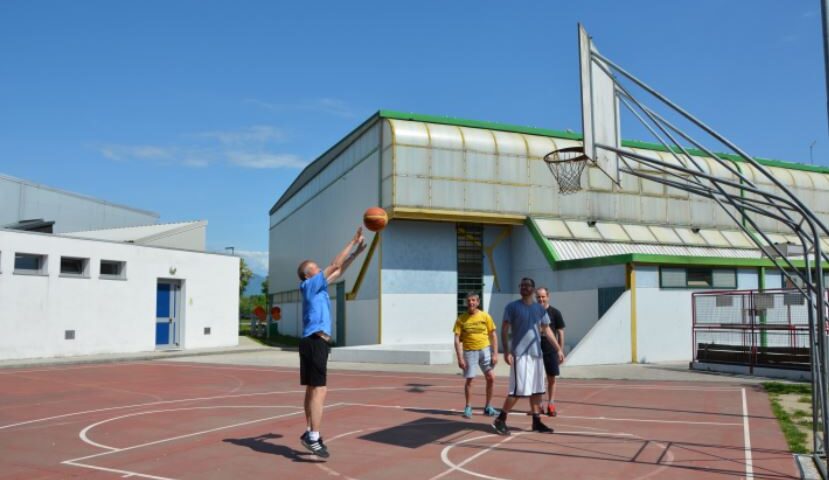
{"type": "Point", "coordinates": [209, 109]}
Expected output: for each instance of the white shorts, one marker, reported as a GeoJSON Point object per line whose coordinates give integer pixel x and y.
{"type": "Point", "coordinates": [527, 376]}
{"type": "Point", "coordinates": [482, 358]}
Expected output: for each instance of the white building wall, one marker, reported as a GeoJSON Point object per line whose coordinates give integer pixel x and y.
{"type": "Point", "coordinates": [664, 317]}
{"type": "Point", "coordinates": [110, 316]}
{"type": "Point", "coordinates": [419, 282]}
{"type": "Point", "coordinates": [608, 341]}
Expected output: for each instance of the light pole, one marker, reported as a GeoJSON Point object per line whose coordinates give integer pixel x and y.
{"type": "Point", "coordinates": [232, 250]}
{"type": "Point", "coordinates": [811, 148]}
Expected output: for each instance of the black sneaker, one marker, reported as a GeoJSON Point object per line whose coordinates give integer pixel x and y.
{"type": "Point", "coordinates": [541, 428]}
{"type": "Point", "coordinates": [500, 427]}
{"type": "Point", "coordinates": [317, 448]}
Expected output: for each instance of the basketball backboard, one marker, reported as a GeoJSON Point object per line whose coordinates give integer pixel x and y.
{"type": "Point", "coordinates": [599, 107]}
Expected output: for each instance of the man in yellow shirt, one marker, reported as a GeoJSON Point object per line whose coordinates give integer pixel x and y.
{"type": "Point", "coordinates": [476, 343]}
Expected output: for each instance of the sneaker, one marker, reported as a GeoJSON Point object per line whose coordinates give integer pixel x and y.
{"type": "Point", "coordinates": [500, 427]}
{"type": "Point", "coordinates": [490, 412]}
{"type": "Point", "coordinates": [551, 410]}
{"type": "Point", "coordinates": [317, 448]}
{"type": "Point", "coordinates": [539, 427]}
{"type": "Point", "coordinates": [467, 412]}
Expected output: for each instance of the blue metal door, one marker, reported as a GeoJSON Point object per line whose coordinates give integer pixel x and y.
{"type": "Point", "coordinates": [165, 314]}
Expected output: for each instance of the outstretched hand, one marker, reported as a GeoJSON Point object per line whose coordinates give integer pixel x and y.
{"type": "Point", "coordinates": [358, 237]}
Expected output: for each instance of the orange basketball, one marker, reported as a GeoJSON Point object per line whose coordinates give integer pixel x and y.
{"type": "Point", "coordinates": [375, 219]}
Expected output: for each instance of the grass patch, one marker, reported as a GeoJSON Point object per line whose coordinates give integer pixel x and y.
{"type": "Point", "coordinates": [797, 388]}
{"type": "Point", "coordinates": [794, 422]}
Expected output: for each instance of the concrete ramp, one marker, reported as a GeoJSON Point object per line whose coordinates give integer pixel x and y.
{"type": "Point", "coordinates": [412, 354]}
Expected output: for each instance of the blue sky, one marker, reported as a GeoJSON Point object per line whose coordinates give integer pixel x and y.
{"type": "Point", "coordinates": [208, 110]}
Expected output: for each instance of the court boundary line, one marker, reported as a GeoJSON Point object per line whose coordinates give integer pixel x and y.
{"type": "Point", "coordinates": [77, 462]}
{"type": "Point", "coordinates": [747, 438]}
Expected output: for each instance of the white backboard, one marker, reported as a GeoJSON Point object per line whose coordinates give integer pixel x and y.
{"type": "Point", "coordinates": [599, 107]}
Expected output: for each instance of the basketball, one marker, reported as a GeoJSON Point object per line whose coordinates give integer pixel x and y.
{"type": "Point", "coordinates": [375, 219]}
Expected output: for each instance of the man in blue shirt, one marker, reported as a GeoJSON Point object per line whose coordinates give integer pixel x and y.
{"type": "Point", "coordinates": [316, 335]}
{"type": "Point", "coordinates": [527, 321]}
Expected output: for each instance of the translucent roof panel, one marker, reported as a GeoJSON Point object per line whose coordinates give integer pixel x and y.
{"type": "Point", "coordinates": [478, 140]}
{"type": "Point", "coordinates": [738, 239]}
{"type": "Point", "coordinates": [445, 136]}
{"type": "Point", "coordinates": [510, 143]}
{"type": "Point", "coordinates": [582, 230]}
{"type": "Point", "coordinates": [410, 133]}
{"type": "Point", "coordinates": [612, 231]}
{"type": "Point", "coordinates": [665, 235]}
{"type": "Point", "coordinates": [639, 233]}
{"type": "Point", "coordinates": [553, 228]}
{"type": "Point", "coordinates": [714, 238]}
{"type": "Point", "coordinates": [540, 146]}
{"type": "Point", "coordinates": [689, 237]}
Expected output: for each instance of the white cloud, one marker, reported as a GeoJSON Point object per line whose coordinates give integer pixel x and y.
{"type": "Point", "coordinates": [257, 261]}
{"type": "Point", "coordinates": [246, 147]}
{"type": "Point", "coordinates": [139, 152]}
{"type": "Point", "coordinates": [331, 106]}
{"type": "Point", "coordinates": [258, 134]}
{"type": "Point", "coordinates": [265, 160]}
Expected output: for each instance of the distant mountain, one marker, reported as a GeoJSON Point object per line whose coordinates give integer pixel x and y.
{"type": "Point", "coordinates": [254, 285]}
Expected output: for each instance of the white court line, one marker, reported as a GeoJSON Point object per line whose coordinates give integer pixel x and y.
{"type": "Point", "coordinates": [747, 437]}
{"type": "Point", "coordinates": [444, 455]}
{"type": "Point", "coordinates": [183, 400]}
{"type": "Point", "coordinates": [59, 368]}
{"type": "Point", "coordinates": [85, 432]}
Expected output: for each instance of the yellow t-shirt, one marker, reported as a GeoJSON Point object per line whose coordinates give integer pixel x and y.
{"type": "Point", "coordinates": [474, 330]}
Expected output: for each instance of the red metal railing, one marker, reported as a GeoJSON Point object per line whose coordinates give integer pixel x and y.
{"type": "Point", "coordinates": [768, 328]}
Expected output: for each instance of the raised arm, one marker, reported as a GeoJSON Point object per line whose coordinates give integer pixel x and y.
{"type": "Point", "coordinates": [335, 269]}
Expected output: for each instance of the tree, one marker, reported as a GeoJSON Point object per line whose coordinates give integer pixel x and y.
{"type": "Point", "coordinates": [244, 276]}
{"type": "Point", "coordinates": [265, 287]}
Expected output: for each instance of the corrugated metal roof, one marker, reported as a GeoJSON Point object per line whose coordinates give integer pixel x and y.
{"type": "Point", "coordinates": [579, 249]}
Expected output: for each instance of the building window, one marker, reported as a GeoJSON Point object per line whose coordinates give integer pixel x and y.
{"type": "Point", "coordinates": [30, 263]}
{"type": "Point", "coordinates": [74, 267]}
{"type": "Point", "coordinates": [470, 250]}
{"type": "Point", "coordinates": [113, 269]}
{"type": "Point", "coordinates": [697, 277]}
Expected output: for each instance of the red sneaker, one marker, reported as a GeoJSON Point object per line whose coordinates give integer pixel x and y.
{"type": "Point", "coordinates": [551, 410]}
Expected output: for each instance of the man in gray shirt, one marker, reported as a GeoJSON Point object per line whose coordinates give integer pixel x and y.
{"type": "Point", "coordinates": [527, 320]}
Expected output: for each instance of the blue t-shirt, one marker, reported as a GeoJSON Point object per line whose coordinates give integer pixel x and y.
{"type": "Point", "coordinates": [524, 322]}
{"type": "Point", "coordinates": [316, 309]}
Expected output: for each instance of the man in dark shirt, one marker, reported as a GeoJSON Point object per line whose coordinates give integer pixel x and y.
{"type": "Point", "coordinates": [551, 363]}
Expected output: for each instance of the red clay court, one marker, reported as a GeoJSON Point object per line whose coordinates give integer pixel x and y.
{"type": "Point", "coordinates": [170, 420]}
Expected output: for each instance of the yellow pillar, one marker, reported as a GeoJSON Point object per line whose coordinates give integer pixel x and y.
{"type": "Point", "coordinates": [631, 284]}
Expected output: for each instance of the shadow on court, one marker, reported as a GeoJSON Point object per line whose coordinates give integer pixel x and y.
{"type": "Point", "coordinates": [262, 444]}
{"type": "Point", "coordinates": [423, 431]}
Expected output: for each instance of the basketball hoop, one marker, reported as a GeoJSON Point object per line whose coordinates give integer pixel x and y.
{"type": "Point", "coordinates": [566, 165]}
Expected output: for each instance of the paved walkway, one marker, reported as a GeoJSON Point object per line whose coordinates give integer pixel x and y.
{"type": "Point", "coordinates": [246, 345]}
{"type": "Point", "coordinates": [252, 353]}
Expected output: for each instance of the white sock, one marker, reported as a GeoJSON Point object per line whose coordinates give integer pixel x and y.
{"type": "Point", "coordinates": [313, 436]}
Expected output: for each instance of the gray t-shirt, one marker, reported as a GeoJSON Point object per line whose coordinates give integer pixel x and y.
{"type": "Point", "coordinates": [524, 322]}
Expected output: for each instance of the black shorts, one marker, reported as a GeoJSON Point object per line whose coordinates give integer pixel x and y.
{"type": "Point", "coordinates": [551, 364]}
{"type": "Point", "coordinates": [313, 361]}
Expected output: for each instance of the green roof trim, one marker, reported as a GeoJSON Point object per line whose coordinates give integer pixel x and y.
{"type": "Point", "coordinates": [569, 135]}
{"type": "Point", "coordinates": [678, 260]}
{"type": "Point", "coordinates": [545, 245]}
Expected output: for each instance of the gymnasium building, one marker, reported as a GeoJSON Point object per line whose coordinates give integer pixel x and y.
{"type": "Point", "coordinates": [473, 207]}
{"type": "Point", "coordinates": [81, 276]}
